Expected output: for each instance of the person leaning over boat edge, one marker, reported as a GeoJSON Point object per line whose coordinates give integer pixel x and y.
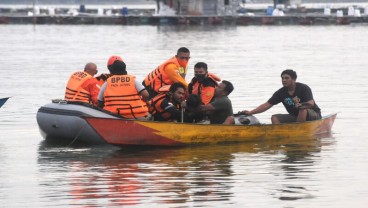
{"type": "Point", "coordinates": [122, 93]}
{"type": "Point", "coordinates": [166, 106]}
{"type": "Point", "coordinates": [82, 86]}
{"type": "Point", "coordinates": [221, 110]}
{"type": "Point", "coordinates": [171, 71]}
{"type": "Point", "coordinates": [297, 99]}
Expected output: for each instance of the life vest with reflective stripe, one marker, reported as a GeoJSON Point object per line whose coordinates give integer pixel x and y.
{"type": "Point", "coordinates": [121, 97]}
{"type": "Point", "coordinates": [156, 110]}
{"type": "Point", "coordinates": [206, 93]}
{"type": "Point", "coordinates": [74, 90]}
{"type": "Point", "coordinates": [158, 77]}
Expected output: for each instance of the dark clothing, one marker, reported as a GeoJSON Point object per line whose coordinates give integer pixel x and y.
{"type": "Point", "coordinates": [287, 118]}
{"type": "Point", "coordinates": [164, 110]}
{"type": "Point", "coordinates": [303, 93]}
{"type": "Point", "coordinates": [223, 109]}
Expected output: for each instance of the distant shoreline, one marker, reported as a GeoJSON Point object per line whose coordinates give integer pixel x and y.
{"type": "Point", "coordinates": [153, 6]}
{"type": "Point", "coordinates": [145, 14]}
{"type": "Point", "coordinates": [310, 20]}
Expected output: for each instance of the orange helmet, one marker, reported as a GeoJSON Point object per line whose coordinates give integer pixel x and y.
{"type": "Point", "coordinates": [112, 59]}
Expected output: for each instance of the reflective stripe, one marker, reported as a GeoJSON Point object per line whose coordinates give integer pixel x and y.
{"type": "Point", "coordinates": [121, 97]}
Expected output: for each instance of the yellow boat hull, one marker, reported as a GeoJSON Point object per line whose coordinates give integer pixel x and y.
{"type": "Point", "coordinates": [134, 132]}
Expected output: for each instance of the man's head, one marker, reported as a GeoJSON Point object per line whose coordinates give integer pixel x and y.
{"type": "Point", "coordinates": [116, 65]}
{"type": "Point", "coordinates": [224, 89]}
{"type": "Point", "coordinates": [288, 77]}
{"type": "Point", "coordinates": [91, 69]}
{"type": "Point", "coordinates": [177, 92]}
{"type": "Point", "coordinates": [183, 56]}
{"type": "Point", "coordinates": [193, 101]}
{"type": "Point", "coordinates": [200, 71]}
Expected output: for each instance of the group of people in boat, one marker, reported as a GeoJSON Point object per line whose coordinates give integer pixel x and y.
{"type": "Point", "coordinates": [164, 94]}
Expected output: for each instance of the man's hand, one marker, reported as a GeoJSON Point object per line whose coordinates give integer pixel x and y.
{"type": "Point", "coordinates": [303, 105]}
{"type": "Point", "coordinates": [245, 112]}
{"type": "Point", "coordinates": [104, 77]}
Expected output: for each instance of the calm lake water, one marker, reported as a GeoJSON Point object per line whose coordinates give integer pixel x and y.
{"type": "Point", "coordinates": [318, 172]}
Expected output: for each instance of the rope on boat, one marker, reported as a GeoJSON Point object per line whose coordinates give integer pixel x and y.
{"type": "Point", "coordinates": [76, 137]}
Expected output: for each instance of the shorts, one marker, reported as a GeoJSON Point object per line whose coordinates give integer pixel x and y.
{"type": "Point", "coordinates": [287, 118]}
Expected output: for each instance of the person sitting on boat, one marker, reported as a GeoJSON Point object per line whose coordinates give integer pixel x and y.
{"type": "Point", "coordinates": [82, 86]}
{"type": "Point", "coordinates": [297, 99]}
{"type": "Point", "coordinates": [171, 71]}
{"type": "Point", "coordinates": [203, 84]}
{"type": "Point", "coordinates": [221, 110]}
{"type": "Point", "coordinates": [166, 106]}
{"type": "Point", "coordinates": [122, 93]}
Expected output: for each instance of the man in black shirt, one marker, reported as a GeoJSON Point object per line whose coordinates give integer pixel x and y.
{"type": "Point", "coordinates": [297, 99]}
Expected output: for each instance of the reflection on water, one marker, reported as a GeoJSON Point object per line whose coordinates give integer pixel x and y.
{"type": "Point", "coordinates": [289, 173]}
{"type": "Point", "coordinates": [109, 176]}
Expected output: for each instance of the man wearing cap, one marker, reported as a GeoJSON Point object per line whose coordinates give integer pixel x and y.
{"type": "Point", "coordinates": [171, 71]}
{"type": "Point", "coordinates": [82, 86]}
{"type": "Point", "coordinates": [297, 99]}
{"type": "Point", "coordinates": [122, 94]}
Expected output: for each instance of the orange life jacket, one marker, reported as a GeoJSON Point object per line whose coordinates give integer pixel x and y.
{"type": "Point", "coordinates": [206, 93]}
{"type": "Point", "coordinates": [121, 97]}
{"type": "Point", "coordinates": [158, 77]}
{"type": "Point", "coordinates": [74, 90]}
{"type": "Point", "coordinates": [156, 109]}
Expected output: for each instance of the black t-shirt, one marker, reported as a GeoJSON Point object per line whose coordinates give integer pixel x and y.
{"type": "Point", "coordinates": [303, 93]}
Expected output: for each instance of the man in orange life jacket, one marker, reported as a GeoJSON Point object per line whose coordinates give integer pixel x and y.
{"type": "Point", "coordinates": [166, 106]}
{"type": "Point", "coordinates": [82, 86]}
{"type": "Point", "coordinates": [169, 72]}
{"type": "Point", "coordinates": [203, 84]}
{"type": "Point", "coordinates": [122, 93]}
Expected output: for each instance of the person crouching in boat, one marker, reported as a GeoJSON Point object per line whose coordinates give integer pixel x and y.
{"type": "Point", "coordinates": [166, 106]}
{"type": "Point", "coordinates": [122, 93]}
{"type": "Point", "coordinates": [82, 86]}
{"type": "Point", "coordinates": [297, 99]}
{"type": "Point", "coordinates": [202, 84]}
{"type": "Point", "coordinates": [221, 110]}
{"type": "Point", "coordinates": [171, 71]}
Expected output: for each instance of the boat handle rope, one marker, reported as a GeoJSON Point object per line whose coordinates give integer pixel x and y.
{"type": "Point", "coordinates": [77, 136]}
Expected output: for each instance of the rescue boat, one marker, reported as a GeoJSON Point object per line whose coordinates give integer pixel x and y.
{"type": "Point", "coordinates": [3, 100]}
{"type": "Point", "coordinates": [79, 122]}
{"type": "Point", "coordinates": [64, 121]}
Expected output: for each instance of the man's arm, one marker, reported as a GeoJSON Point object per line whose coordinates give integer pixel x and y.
{"type": "Point", "coordinates": [305, 105]}
{"type": "Point", "coordinates": [229, 120]}
{"type": "Point", "coordinates": [145, 95]}
{"type": "Point", "coordinates": [93, 88]}
{"type": "Point", "coordinates": [174, 75]}
{"type": "Point", "coordinates": [208, 107]}
{"type": "Point", "coordinates": [100, 97]}
{"type": "Point", "coordinates": [141, 90]}
{"type": "Point", "coordinates": [260, 109]}
{"type": "Point", "coordinates": [308, 96]}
